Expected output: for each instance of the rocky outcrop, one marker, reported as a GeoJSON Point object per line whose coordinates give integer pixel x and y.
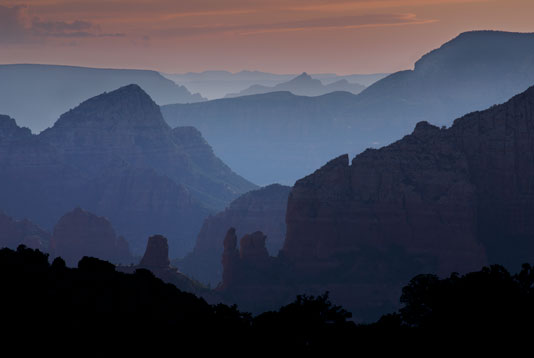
{"type": "Point", "coordinates": [230, 259]}
{"type": "Point", "coordinates": [252, 247]}
{"type": "Point", "coordinates": [80, 233]}
{"type": "Point", "coordinates": [415, 194]}
{"type": "Point", "coordinates": [16, 232]}
{"type": "Point", "coordinates": [114, 155]}
{"type": "Point", "coordinates": [258, 210]}
{"type": "Point", "coordinates": [250, 264]}
{"type": "Point", "coordinates": [157, 253]}
{"type": "Point", "coordinates": [156, 260]}
{"type": "Point", "coordinates": [437, 201]}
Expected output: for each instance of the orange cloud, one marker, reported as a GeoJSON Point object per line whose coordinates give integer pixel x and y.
{"type": "Point", "coordinates": [18, 27]}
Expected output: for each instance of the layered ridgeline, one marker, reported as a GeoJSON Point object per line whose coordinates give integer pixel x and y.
{"type": "Point", "coordinates": [437, 201]}
{"type": "Point", "coordinates": [115, 156]}
{"type": "Point", "coordinates": [280, 137]}
{"type": "Point", "coordinates": [37, 94]}
{"type": "Point", "coordinates": [263, 210]}
{"type": "Point", "coordinates": [303, 85]}
{"type": "Point", "coordinates": [217, 84]}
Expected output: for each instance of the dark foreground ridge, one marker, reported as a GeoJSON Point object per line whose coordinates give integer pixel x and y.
{"type": "Point", "coordinates": [95, 300]}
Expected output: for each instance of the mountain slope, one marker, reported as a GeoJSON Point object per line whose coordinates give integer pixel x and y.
{"type": "Point", "coordinates": [471, 72]}
{"type": "Point", "coordinates": [115, 156]}
{"type": "Point", "coordinates": [127, 125]}
{"type": "Point", "coordinates": [37, 94]}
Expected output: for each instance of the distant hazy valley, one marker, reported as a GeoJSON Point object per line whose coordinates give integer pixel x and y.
{"type": "Point", "coordinates": [280, 137]}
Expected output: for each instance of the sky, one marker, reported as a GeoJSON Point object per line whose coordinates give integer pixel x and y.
{"type": "Point", "coordinates": [281, 36]}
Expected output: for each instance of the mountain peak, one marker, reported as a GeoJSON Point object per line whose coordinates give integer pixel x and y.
{"type": "Point", "coordinates": [126, 106]}
{"type": "Point", "coordinates": [302, 77]}
{"type": "Point", "coordinates": [424, 128]}
{"type": "Point", "coordinates": [130, 88]}
{"type": "Point", "coordinates": [473, 50]}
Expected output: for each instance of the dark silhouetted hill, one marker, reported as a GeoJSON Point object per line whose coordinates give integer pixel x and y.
{"type": "Point", "coordinates": [96, 304]}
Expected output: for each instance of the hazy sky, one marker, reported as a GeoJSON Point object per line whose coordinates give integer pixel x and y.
{"type": "Point", "coordinates": [284, 36]}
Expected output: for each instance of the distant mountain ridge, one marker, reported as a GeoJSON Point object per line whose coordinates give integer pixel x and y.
{"type": "Point", "coordinates": [53, 90]}
{"type": "Point", "coordinates": [287, 136]}
{"type": "Point", "coordinates": [473, 71]}
{"type": "Point", "coordinates": [217, 84]}
{"type": "Point", "coordinates": [115, 156]}
{"type": "Point", "coordinates": [303, 85]}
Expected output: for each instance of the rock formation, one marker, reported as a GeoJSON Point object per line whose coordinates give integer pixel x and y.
{"type": "Point", "coordinates": [250, 265]}
{"type": "Point", "coordinates": [252, 247]}
{"type": "Point", "coordinates": [80, 233]}
{"type": "Point", "coordinates": [16, 232]}
{"type": "Point", "coordinates": [114, 155]}
{"type": "Point", "coordinates": [252, 279]}
{"type": "Point", "coordinates": [157, 253]}
{"type": "Point", "coordinates": [437, 201]}
{"type": "Point", "coordinates": [230, 259]}
{"type": "Point", "coordinates": [415, 193]}
{"type": "Point", "coordinates": [258, 210]}
{"type": "Point", "coordinates": [156, 260]}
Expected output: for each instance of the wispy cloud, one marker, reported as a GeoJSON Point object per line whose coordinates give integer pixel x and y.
{"type": "Point", "coordinates": [355, 5]}
{"type": "Point", "coordinates": [322, 23]}
{"type": "Point", "coordinates": [13, 28]}
{"type": "Point", "coordinates": [17, 27]}
{"type": "Point", "coordinates": [184, 18]}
